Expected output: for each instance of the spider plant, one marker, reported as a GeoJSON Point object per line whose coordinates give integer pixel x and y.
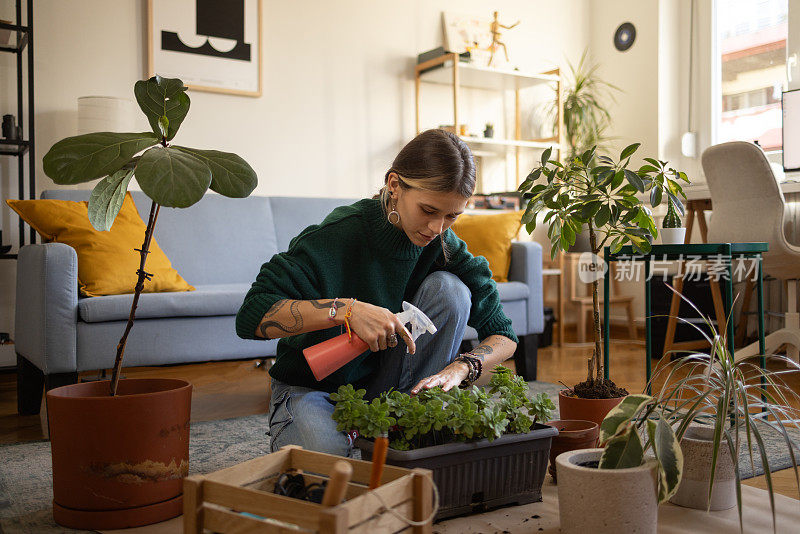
{"type": "Point", "coordinates": [738, 399]}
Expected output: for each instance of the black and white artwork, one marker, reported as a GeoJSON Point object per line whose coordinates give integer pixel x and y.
{"type": "Point", "coordinates": [212, 45]}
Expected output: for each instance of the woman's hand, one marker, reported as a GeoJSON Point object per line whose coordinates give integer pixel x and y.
{"type": "Point", "coordinates": [447, 378]}
{"type": "Point", "coordinates": [378, 327]}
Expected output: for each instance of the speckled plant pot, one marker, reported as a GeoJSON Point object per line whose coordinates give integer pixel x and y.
{"type": "Point", "coordinates": [605, 501]}
{"type": "Point", "coordinates": [692, 492]}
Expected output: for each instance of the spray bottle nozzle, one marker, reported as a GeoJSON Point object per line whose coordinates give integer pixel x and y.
{"type": "Point", "coordinates": [420, 323]}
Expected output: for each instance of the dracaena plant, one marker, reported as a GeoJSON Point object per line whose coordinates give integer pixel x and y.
{"type": "Point", "coordinates": [738, 399]}
{"type": "Point", "coordinates": [600, 194]}
{"type": "Point", "coordinates": [171, 175]}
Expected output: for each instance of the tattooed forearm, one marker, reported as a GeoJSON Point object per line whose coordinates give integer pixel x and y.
{"type": "Point", "coordinates": [294, 306]}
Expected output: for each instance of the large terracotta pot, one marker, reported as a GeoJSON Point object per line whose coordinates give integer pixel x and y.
{"type": "Point", "coordinates": [606, 501]}
{"type": "Point", "coordinates": [119, 461]}
{"type": "Point", "coordinates": [594, 410]}
{"type": "Point", "coordinates": [572, 435]}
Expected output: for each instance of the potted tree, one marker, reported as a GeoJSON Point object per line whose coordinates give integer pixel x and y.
{"type": "Point", "coordinates": [600, 194]}
{"type": "Point", "coordinates": [459, 434]}
{"type": "Point", "coordinates": [121, 448]}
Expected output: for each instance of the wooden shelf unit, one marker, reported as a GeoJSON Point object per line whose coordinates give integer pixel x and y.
{"type": "Point", "coordinates": [448, 70]}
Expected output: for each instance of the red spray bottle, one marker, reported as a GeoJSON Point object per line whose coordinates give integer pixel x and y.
{"type": "Point", "coordinates": [326, 357]}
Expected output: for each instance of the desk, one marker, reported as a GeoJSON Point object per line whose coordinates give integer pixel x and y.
{"type": "Point", "coordinates": [706, 251]}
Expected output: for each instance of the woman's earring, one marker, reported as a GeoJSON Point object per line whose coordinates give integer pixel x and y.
{"type": "Point", "coordinates": [394, 212]}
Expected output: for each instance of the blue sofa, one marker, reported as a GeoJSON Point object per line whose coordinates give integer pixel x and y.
{"type": "Point", "coordinates": [218, 246]}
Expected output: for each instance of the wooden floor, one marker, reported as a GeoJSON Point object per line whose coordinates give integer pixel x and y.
{"type": "Point", "coordinates": [234, 389]}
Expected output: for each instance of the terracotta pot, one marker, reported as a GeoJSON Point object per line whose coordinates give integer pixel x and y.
{"type": "Point", "coordinates": [572, 435]}
{"type": "Point", "coordinates": [575, 408]}
{"type": "Point", "coordinates": [119, 461]}
{"type": "Point", "coordinates": [605, 501]}
{"type": "Point", "coordinates": [697, 446]}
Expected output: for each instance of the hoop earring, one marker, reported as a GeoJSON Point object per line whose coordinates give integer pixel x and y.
{"type": "Point", "coordinates": [394, 212]}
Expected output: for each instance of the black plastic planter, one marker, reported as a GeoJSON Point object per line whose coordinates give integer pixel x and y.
{"type": "Point", "coordinates": [475, 476]}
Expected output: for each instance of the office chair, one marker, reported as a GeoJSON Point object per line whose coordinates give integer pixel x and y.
{"type": "Point", "coordinates": [748, 206]}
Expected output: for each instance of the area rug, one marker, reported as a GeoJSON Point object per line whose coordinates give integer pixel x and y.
{"type": "Point", "coordinates": [26, 478]}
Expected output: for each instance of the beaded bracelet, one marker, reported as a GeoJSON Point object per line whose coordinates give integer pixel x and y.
{"type": "Point", "coordinates": [474, 366]}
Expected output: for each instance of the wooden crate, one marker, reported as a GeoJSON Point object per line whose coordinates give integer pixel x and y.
{"type": "Point", "coordinates": [213, 502]}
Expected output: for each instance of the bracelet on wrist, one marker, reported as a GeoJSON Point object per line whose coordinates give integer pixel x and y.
{"type": "Point", "coordinates": [332, 311]}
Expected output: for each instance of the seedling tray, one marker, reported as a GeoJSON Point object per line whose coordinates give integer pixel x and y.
{"type": "Point", "coordinates": [475, 476]}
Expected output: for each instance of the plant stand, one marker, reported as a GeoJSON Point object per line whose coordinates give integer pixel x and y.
{"type": "Point", "coordinates": [220, 500]}
{"type": "Point", "coordinates": [472, 477]}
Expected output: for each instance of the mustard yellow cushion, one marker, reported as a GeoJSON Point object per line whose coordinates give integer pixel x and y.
{"type": "Point", "coordinates": [490, 236]}
{"type": "Point", "coordinates": [107, 261]}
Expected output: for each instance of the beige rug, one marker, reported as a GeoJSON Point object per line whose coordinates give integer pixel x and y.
{"type": "Point", "coordinates": [543, 517]}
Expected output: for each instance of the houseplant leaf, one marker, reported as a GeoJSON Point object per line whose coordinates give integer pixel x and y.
{"type": "Point", "coordinates": [172, 178]}
{"type": "Point", "coordinates": [107, 198]}
{"type": "Point", "coordinates": [231, 176]}
{"type": "Point", "coordinates": [623, 450]}
{"type": "Point", "coordinates": [621, 415]}
{"type": "Point", "coordinates": [162, 98]}
{"type": "Point", "coordinates": [667, 450]}
{"type": "Point", "coordinates": [84, 158]}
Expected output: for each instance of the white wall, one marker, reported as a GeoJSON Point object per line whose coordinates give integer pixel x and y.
{"type": "Point", "coordinates": [338, 98]}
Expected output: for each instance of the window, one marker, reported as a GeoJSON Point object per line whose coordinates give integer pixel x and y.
{"type": "Point", "coordinates": [751, 50]}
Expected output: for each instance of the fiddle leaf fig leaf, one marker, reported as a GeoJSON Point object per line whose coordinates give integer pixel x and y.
{"type": "Point", "coordinates": [173, 178]}
{"type": "Point", "coordinates": [107, 198]}
{"type": "Point", "coordinates": [163, 125]}
{"type": "Point", "coordinates": [84, 158]}
{"type": "Point", "coordinates": [231, 176]}
{"type": "Point", "coordinates": [163, 97]}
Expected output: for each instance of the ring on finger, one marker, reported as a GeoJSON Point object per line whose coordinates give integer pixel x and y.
{"type": "Point", "coordinates": [392, 339]}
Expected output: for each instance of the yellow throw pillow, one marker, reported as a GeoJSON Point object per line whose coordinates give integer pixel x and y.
{"type": "Point", "coordinates": [107, 261]}
{"type": "Point", "coordinates": [490, 236]}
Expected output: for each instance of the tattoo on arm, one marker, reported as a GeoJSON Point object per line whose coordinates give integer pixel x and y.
{"type": "Point", "coordinates": [278, 306]}
{"type": "Point", "coordinates": [326, 304]}
{"type": "Point", "coordinates": [482, 351]}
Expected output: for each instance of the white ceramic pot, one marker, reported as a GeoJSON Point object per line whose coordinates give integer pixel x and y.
{"type": "Point", "coordinates": [692, 492]}
{"type": "Point", "coordinates": [672, 236]}
{"type": "Point", "coordinates": [605, 501]}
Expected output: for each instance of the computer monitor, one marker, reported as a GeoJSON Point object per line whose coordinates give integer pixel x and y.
{"type": "Point", "coordinates": [790, 102]}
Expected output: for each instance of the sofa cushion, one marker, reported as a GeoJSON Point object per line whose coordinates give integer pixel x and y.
{"type": "Point", "coordinates": [292, 215]}
{"type": "Point", "coordinates": [489, 235]}
{"type": "Point", "coordinates": [206, 300]}
{"type": "Point", "coordinates": [219, 240]}
{"type": "Point", "coordinates": [107, 261]}
{"type": "Point", "coordinates": [510, 291]}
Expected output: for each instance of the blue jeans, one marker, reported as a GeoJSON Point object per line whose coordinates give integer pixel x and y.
{"type": "Point", "coordinates": [302, 416]}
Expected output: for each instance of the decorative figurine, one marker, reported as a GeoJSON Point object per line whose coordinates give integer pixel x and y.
{"type": "Point", "coordinates": [495, 29]}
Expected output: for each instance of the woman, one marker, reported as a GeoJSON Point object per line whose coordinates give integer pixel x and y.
{"type": "Point", "coordinates": [362, 261]}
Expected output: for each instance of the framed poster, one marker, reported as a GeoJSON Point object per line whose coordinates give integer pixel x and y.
{"type": "Point", "coordinates": [212, 45]}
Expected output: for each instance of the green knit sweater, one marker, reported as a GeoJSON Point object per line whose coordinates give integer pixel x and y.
{"type": "Point", "coordinates": [356, 252]}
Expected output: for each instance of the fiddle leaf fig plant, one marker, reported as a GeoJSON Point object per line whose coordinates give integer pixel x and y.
{"type": "Point", "coordinates": [599, 193]}
{"type": "Point", "coordinates": [171, 175]}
